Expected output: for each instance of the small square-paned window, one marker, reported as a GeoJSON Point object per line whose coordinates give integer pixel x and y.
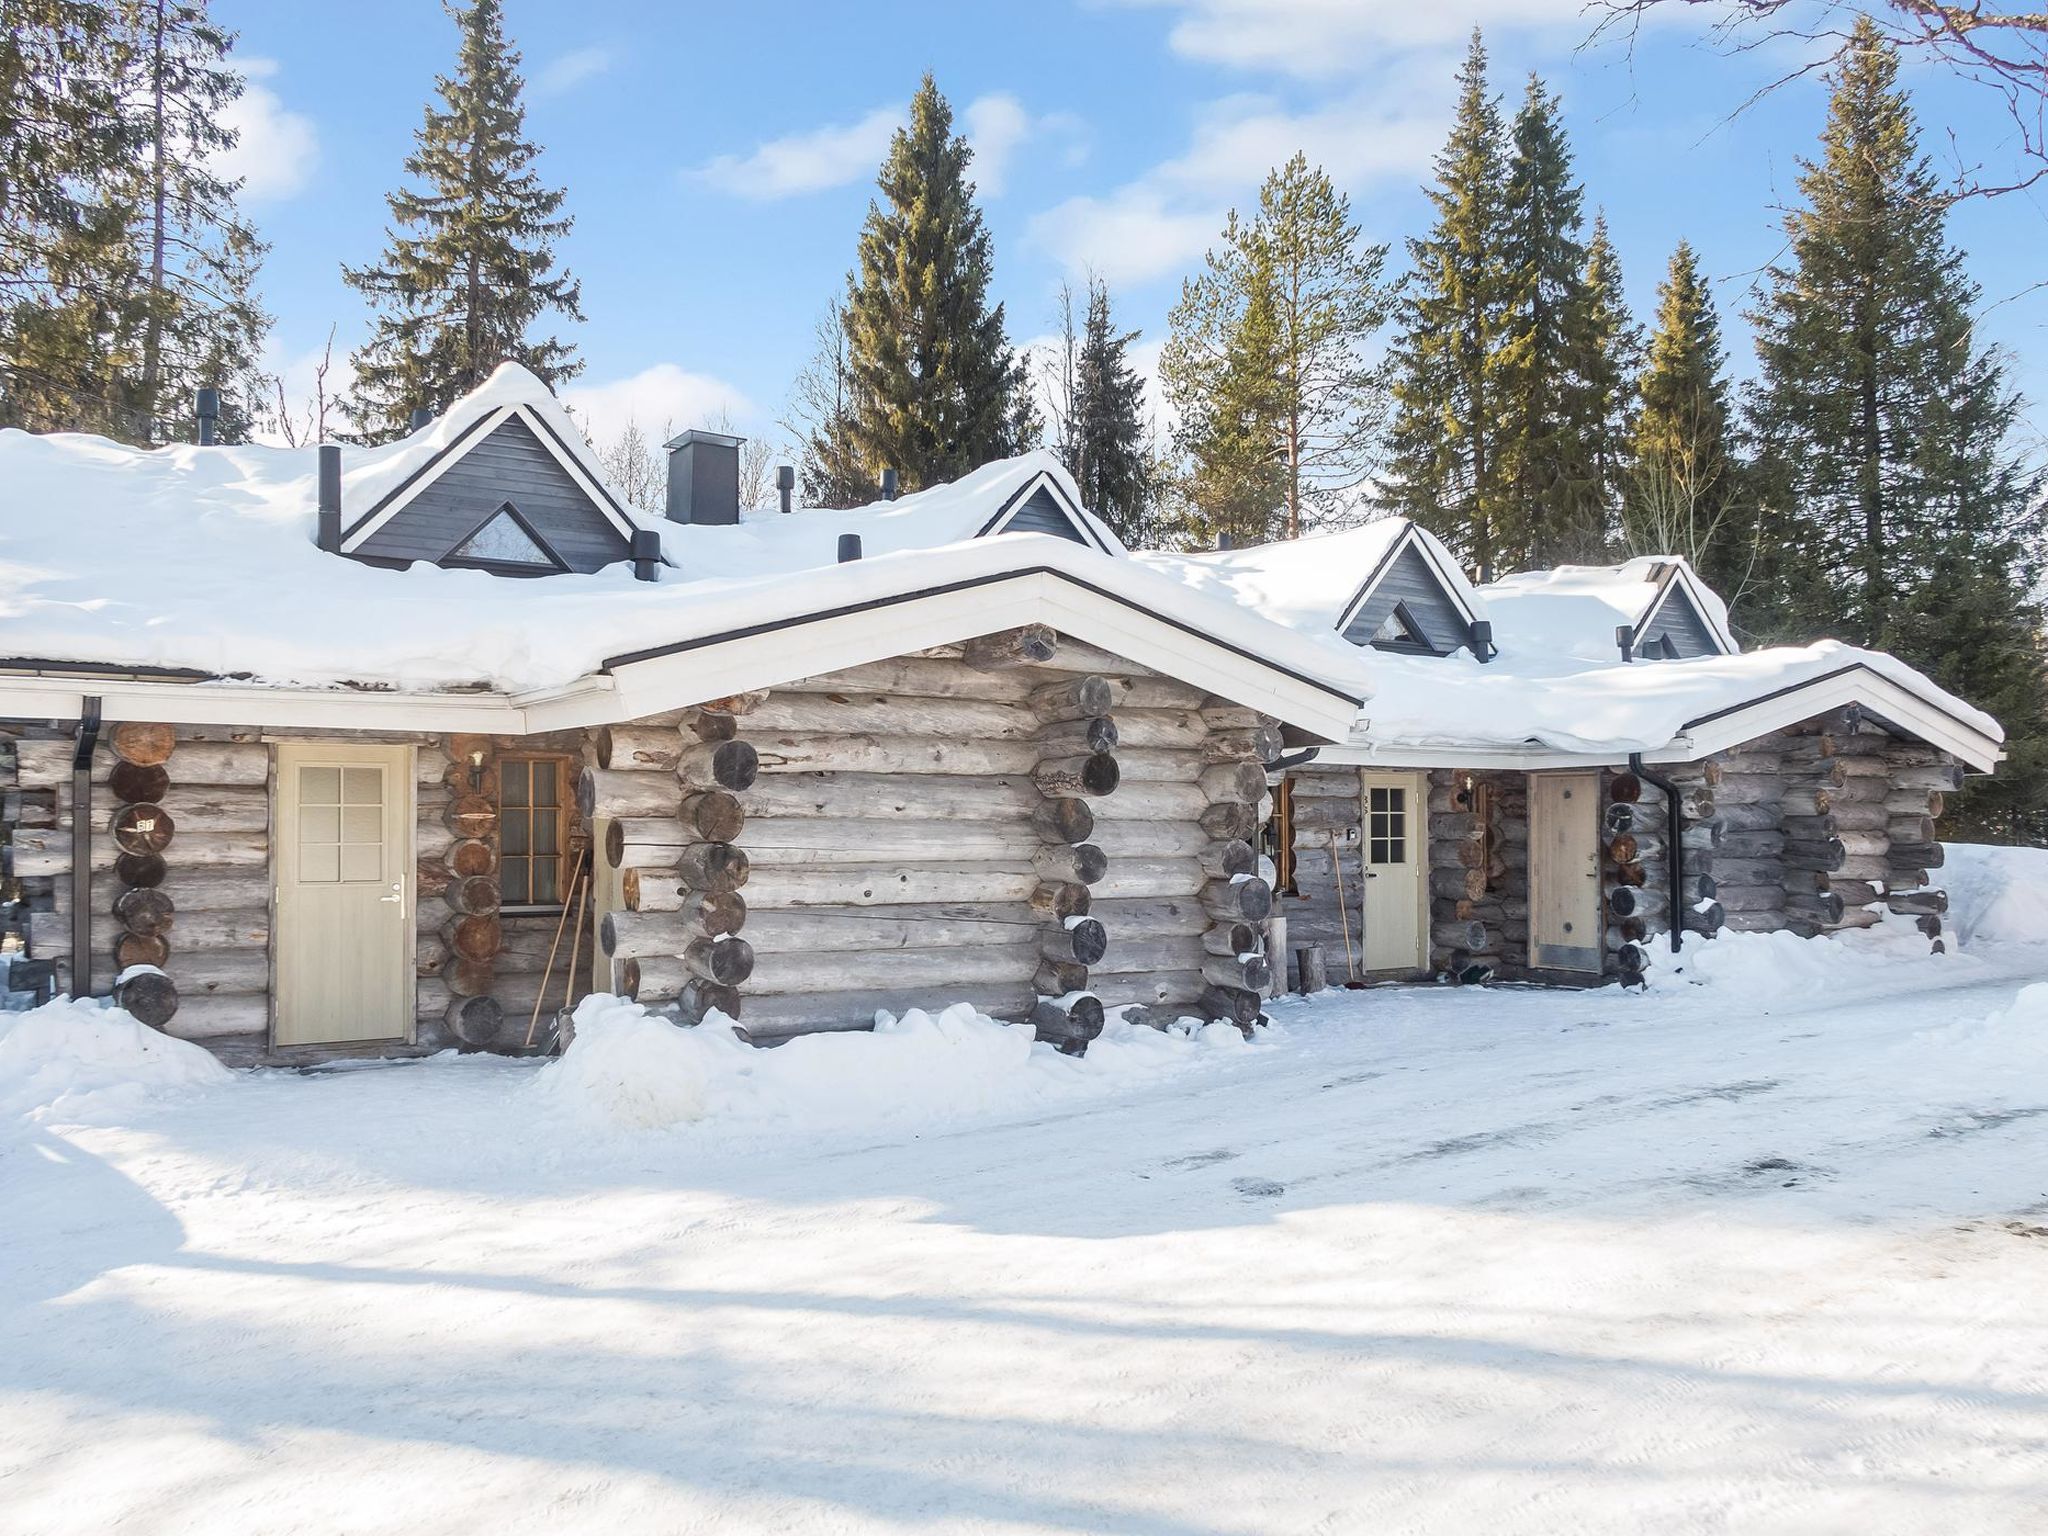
{"type": "Point", "coordinates": [533, 831]}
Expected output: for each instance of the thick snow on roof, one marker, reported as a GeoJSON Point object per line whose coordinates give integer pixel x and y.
{"type": "Point", "coordinates": [1307, 583]}
{"type": "Point", "coordinates": [946, 514]}
{"type": "Point", "coordinates": [1605, 706]}
{"type": "Point", "coordinates": [205, 558]}
{"type": "Point", "coordinates": [1574, 610]}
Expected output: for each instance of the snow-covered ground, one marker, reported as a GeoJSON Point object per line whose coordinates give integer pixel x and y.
{"type": "Point", "coordinates": [1765, 1250]}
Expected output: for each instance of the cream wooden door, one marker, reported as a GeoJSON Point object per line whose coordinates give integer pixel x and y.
{"type": "Point", "coordinates": [344, 893]}
{"type": "Point", "coordinates": [1393, 851]}
{"type": "Point", "coordinates": [1564, 872]}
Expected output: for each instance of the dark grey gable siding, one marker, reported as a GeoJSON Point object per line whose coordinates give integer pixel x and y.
{"type": "Point", "coordinates": [510, 464]}
{"type": "Point", "coordinates": [1679, 622]}
{"type": "Point", "coordinates": [1042, 513]}
{"type": "Point", "coordinates": [1409, 579]}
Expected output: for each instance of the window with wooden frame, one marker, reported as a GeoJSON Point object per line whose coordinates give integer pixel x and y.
{"type": "Point", "coordinates": [534, 812]}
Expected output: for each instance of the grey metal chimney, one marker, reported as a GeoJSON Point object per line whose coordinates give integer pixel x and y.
{"type": "Point", "coordinates": [849, 547]}
{"type": "Point", "coordinates": [704, 478]}
{"type": "Point", "coordinates": [1482, 641]}
{"type": "Point", "coordinates": [1625, 638]}
{"type": "Point", "coordinates": [646, 554]}
{"type": "Point", "coordinates": [785, 484]}
{"type": "Point", "coordinates": [329, 537]}
{"type": "Point", "coordinates": [888, 485]}
{"type": "Point", "coordinates": [1224, 542]}
{"type": "Point", "coordinates": [421, 417]}
{"type": "Point", "coordinates": [206, 407]}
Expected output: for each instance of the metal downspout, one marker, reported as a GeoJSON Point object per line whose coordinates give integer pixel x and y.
{"type": "Point", "coordinates": [1674, 863]}
{"type": "Point", "coordinates": [87, 739]}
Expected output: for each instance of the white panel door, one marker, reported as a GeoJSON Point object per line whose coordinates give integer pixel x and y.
{"type": "Point", "coordinates": [1565, 931]}
{"type": "Point", "coordinates": [1394, 850]}
{"type": "Point", "coordinates": [344, 893]}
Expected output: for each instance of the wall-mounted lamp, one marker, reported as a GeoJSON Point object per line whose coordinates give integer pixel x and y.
{"type": "Point", "coordinates": [476, 768]}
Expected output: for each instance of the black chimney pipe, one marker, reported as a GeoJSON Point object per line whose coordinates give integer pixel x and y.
{"type": "Point", "coordinates": [1224, 542]}
{"type": "Point", "coordinates": [785, 484]}
{"type": "Point", "coordinates": [888, 485]}
{"type": "Point", "coordinates": [849, 547]}
{"type": "Point", "coordinates": [421, 417]}
{"type": "Point", "coordinates": [329, 537]}
{"type": "Point", "coordinates": [1625, 638]}
{"type": "Point", "coordinates": [207, 408]}
{"type": "Point", "coordinates": [646, 554]}
{"type": "Point", "coordinates": [1482, 641]}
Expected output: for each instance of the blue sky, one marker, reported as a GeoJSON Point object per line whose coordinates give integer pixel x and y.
{"type": "Point", "coordinates": [718, 158]}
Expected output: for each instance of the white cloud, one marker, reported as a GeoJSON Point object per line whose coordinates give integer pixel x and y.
{"type": "Point", "coordinates": [1163, 220]}
{"type": "Point", "coordinates": [276, 150]}
{"type": "Point", "coordinates": [1319, 39]}
{"type": "Point", "coordinates": [572, 69]}
{"type": "Point", "coordinates": [996, 126]}
{"type": "Point", "coordinates": [664, 396]}
{"type": "Point", "coordinates": [805, 162]}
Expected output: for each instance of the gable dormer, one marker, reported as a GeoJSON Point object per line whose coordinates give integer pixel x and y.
{"type": "Point", "coordinates": [506, 494]}
{"type": "Point", "coordinates": [1411, 603]}
{"type": "Point", "coordinates": [1679, 622]}
{"type": "Point", "coordinates": [1041, 505]}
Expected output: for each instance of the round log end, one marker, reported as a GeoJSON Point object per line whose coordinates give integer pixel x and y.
{"type": "Point", "coordinates": [1092, 693]}
{"type": "Point", "coordinates": [146, 828]}
{"type": "Point", "coordinates": [140, 869]}
{"type": "Point", "coordinates": [716, 815]}
{"type": "Point", "coordinates": [1254, 899]}
{"type": "Point", "coordinates": [1090, 940]}
{"type": "Point", "coordinates": [150, 998]}
{"type": "Point", "coordinates": [141, 949]}
{"type": "Point", "coordinates": [1090, 863]}
{"type": "Point", "coordinates": [475, 1021]}
{"type": "Point", "coordinates": [1067, 819]}
{"type": "Point", "coordinates": [1625, 789]}
{"type": "Point", "coordinates": [471, 856]}
{"type": "Point", "coordinates": [138, 783]}
{"type": "Point", "coordinates": [475, 896]}
{"type": "Point", "coordinates": [1100, 774]}
{"type": "Point", "coordinates": [145, 911]}
{"type": "Point", "coordinates": [144, 744]}
{"type": "Point", "coordinates": [735, 765]}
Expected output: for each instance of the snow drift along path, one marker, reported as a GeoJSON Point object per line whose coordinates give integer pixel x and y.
{"type": "Point", "coordinates": [1761, 1252]}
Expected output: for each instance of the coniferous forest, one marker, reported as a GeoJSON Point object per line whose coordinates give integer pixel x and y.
{"type": "Point", "coordinates": [1483, 374]}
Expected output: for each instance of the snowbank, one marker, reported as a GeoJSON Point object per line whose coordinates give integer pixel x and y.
{"type": "Point", "coordinates": [1998, 895]}
{"type": "Point", "coordinates": [83, 1060]}
{"type": "Point", "coordinates": [1784, 968]}
{"type": "Point", "coordinates": [632, 1070]}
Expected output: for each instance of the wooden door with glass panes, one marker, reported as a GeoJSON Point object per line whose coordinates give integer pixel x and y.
{"type": "Point", "coordinates": [1396, 841]}
{"type": "Point", "coordinates": [344, 941]}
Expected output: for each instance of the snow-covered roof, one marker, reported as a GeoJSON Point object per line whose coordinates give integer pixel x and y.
{"type": "Point", "coordinates": [1314, 584]}
{"type": "Point", "coordinates": [975, 505]}
{"type": "Point", "coordinates": [1574, 610]}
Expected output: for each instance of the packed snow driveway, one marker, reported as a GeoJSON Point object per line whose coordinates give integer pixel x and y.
{"type": "Point", "coordinates": [1764, 1250]}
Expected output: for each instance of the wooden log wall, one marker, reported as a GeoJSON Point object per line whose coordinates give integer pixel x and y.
{"type": "Point", "coordinates": [181, 873]}
{"type": "Point", "coordinates": [1861, 808]}
{"type": "Point", "coordinates": [1327, 815]}
{"type": "Point", "coordinates": [1479, 874]}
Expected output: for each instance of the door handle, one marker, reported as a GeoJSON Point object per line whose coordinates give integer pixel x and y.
{"type": "Point", "coordinates": [397, 892]}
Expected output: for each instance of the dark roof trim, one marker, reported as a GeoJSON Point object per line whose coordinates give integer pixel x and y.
{"type": "Point", "coordinates": [1662, 594]}
{"type": "Point", "coordinates": [1067, 510]}
{"type": "Point", "coordinates": [1828, 677]}
{"type": "Point", "coordinates": [876, 604]}
{"type": "Point", "coordinates": [1357, 599]}
{"type": "Point", "coordinates": [32, 665]}
{"type": "Point", "coordinates": [410, 480]}
{"type": "Point", "coordinates": [504, 508]}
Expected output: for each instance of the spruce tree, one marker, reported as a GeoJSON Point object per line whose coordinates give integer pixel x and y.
{"type": "Point", "coordinates": [1897, 512]}
{"type": "Point", "coordinates": [130, 271]}
{"type": "Point", "coordinates": [470, 266]}
{"type": "Point", "coordinates": [933, 388]}
{"type": "Point", "coordinates": [1445, 469]}
{"type": "Point", "coordinates": [1545, 516]}
{"type": "Point", "coordinates": [1099, 424]}
{"type": "Point", "coordinates": [1321, 289]}
{"type": "Point", "coordinates": [1231, 431]}
{"type": "Point", "coordinates": [1605, 349]}
{"type": "Point", "coordinates": [1685, 491]}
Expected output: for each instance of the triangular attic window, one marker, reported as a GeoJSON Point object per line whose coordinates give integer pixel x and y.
{"type": "Point", "coordinates": [1398, 629]}
{"type": "Point", "coordinates": [505, 539]}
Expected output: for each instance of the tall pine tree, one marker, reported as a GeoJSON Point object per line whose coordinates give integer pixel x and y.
{"type": "Point", "coordinates": [1302, 262]}
{"type": "Point", "coordinates": [129, 271]}
{"type": "Point", "coordinates": [932, 386]}
{"type": "Point", "coordinates": [1685, 492]}
{"type": "Point", "coordinates": [1230, 435]}
{"type": "Point", "coordinates": [1544, 517]}
{"type": "Point", "coordinates": [470, 266]}
{"type": "Point", "coordinates": [1898, 513]}
{"type": "Point", "coordinates": [1445, 469]}
{"type": "Point", "coordinates": [1605, 349]}
{"type": "Point", "coordinates": [1098, 414]}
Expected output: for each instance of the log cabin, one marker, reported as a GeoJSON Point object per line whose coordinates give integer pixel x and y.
{"type": "Point", "coordinates": [378, 751]}
{"type": "Point", "coordinates": [1561, 768]}
{"type": "Point", "coordinates": [315, 753]}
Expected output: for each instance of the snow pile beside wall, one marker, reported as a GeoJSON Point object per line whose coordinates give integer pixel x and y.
{"type": "Point", "coordinates": [85, 1059]}
{"type": "Point", "coordinates": [632, 1070]}
{"type": "Point", "coordinates": [1999, 895]}
{"type": "Point", "coordinates": [1782, 967]}
{"type": "Point", "coordinates": [2013, 1039]}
